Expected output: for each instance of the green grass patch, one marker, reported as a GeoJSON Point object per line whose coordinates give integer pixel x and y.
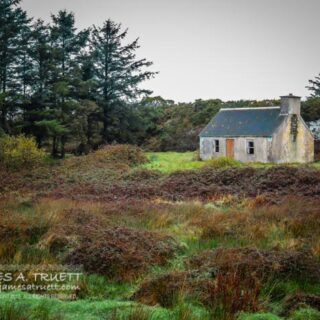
{"type": "Point", "coordinates": [259, 316]}
{"type": "Point", "coordinates": [18, 306]}
{"type": "Point", "coordinates": [168, 162]}
{"type": "Point", "coordinates": [24, 306]}
{"type": "Point", "coordinates": [305, 314]}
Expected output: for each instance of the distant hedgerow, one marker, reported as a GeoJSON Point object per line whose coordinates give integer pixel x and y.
{"type": "Point", "coordinates": [20, 152]}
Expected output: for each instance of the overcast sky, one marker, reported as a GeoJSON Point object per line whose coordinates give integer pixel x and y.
{"type": "Point", "coordinates": [227, 49]}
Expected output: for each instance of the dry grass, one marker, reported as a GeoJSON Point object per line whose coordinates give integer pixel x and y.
{"type": "Point", "coordinates": [225, 295]}
{"type": "Point", "coordinates": [293, 224]}
{"type": "Point", "coordinates": [262, 264]}
{"type": "Point", "coordinates": [231, 231]}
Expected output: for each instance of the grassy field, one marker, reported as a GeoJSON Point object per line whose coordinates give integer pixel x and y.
{"type": "Point", "coordinates": [160, 241]}
{"type": "Point", "coordinates": [168, 162]}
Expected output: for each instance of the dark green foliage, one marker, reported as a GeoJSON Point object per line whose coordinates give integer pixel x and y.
{"type": "Point", "coordinates": [70, 89]}
{"type": "Point", "coordinates": [314, 86]}
{"type": "Point", "coordinates": [13, 35]}
{"type": "Point", "coordinates": [168, 126]}
{"type": "Point", "coordinates": [117, 71]}
{"type": "Point", "coordinates": [310, 110]}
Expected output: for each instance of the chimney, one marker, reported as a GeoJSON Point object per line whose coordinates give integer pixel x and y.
{"type": "Point", "coordinates": [290, 104]}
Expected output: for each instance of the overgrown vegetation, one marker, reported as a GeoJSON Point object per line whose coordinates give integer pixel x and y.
{"type": "Point", "coordinates": [241, 242]}
{"type": "Point", "coordinates": [19, 152]}
{"type": "Point", "coordinates": [160, 235]}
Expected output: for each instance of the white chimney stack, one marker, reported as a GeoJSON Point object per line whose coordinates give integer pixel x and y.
{"type": "Point", "coordinates": [290, 104]}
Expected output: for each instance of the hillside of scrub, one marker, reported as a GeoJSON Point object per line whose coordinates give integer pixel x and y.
{"type": "Point", "coordinates": [205, 240]}
{"type": "Point", "coordinates": [122, 172]}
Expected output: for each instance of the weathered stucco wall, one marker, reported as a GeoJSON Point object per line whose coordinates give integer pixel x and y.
{"type": "Point", "coordinates": [286, 148]}
{"type": "Point", "coordinates": [262, 149]}
{"type": "Point", "coordinates": [207, 148]}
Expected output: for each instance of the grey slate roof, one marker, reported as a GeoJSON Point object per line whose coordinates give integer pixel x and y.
{"type": "Point", "coordinates": [257, 122]}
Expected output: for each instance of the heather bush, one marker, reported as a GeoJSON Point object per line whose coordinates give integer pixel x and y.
{"type": "Point", "coordinates": [275, 182]}
{"type": "Point", "coordinates": [231, 294]}
{"type": "Point", "coordinates": [164, 289]}
{"type": "Point", "coordinates": [224, 295]}
{"type": "Point", "coordinates": [284, 264]}
{"type": "Point", "coordinates": [121, 253]}
{"type": "Point", "coordinates": [19, 152]}
{"type": "Point", "coordinates": [145, 175]}
{"type": "Point", "coordinates": [129, 154]}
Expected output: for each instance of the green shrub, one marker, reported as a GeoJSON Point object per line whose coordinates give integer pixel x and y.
{"type": "Point", "coordinates": [258, 316]}
{"type": "Point", "coordinates": [223, 162]}
{"type": "Point", "coordinates": [306, 314]}
{"type": "Point", "coordinates": [20, 152]}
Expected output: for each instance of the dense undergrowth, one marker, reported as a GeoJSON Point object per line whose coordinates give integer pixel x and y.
{"type": "Point", "coordinates": [240, 242]}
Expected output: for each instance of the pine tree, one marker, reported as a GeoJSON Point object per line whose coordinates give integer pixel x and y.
{"type": "Point", "coordinates": [311, 108]}
{"type": "Point", "coordinates": [117, 71]}
{"type": "Point", "coordinates": [67, 45]}
{"type": "Point", "coordinates": [13, 25]}
{"type": "Point", "coordinates": [37, 111]}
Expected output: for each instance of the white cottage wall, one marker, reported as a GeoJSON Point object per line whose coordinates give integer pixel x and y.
{"type": "Point", "coordinates": [262, 147]}
{"type": "Point", "coordinates": [207, 148]}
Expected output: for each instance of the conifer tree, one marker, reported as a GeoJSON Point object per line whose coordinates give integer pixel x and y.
{"type": "Point", "coordinates": [13, 25]}
{"type": "Point", "coordinates": [66, 44]}
{"type": "Point", "coordinates": [314, 87]}
{"type": "Point", "coordinates": [118, 72]}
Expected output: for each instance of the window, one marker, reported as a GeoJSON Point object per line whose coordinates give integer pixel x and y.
{"type": "Point", "coordinates": [216, 146]}
{"type": "Point", "coordinates": [250, 147]}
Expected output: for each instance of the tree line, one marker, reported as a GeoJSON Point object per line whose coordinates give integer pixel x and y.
{"type": "Point", "coordinates": [76, 89]}
{"type": "Point", "coordinates": [64, 85]}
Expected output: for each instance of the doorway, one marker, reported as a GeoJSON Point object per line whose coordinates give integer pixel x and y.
{"type": "Point", "coordinates": [230, 148]}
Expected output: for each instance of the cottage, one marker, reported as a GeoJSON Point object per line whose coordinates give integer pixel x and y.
{"type": "Point", "coordinates": [270, 134]}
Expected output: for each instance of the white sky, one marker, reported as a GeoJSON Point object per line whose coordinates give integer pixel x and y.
{"type": "Point", "coordinates": [227, 49]}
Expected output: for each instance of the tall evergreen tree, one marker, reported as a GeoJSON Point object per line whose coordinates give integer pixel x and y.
{"type": "Point", "coordinates": [66, 46]}
{"type": "Point", "coordinates": [40, 54]}
{"type": "Point", "coordinates": [13, 25]}
{"type": "Point", "coordinates": [118, 72]}
{"type": "Point", "coordinates": [311, 108]}
{"type": "Point", "coordinates": [314, 87]}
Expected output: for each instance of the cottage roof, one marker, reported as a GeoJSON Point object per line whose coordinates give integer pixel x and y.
{"type": "Point", "coordinates": [237, 122]}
